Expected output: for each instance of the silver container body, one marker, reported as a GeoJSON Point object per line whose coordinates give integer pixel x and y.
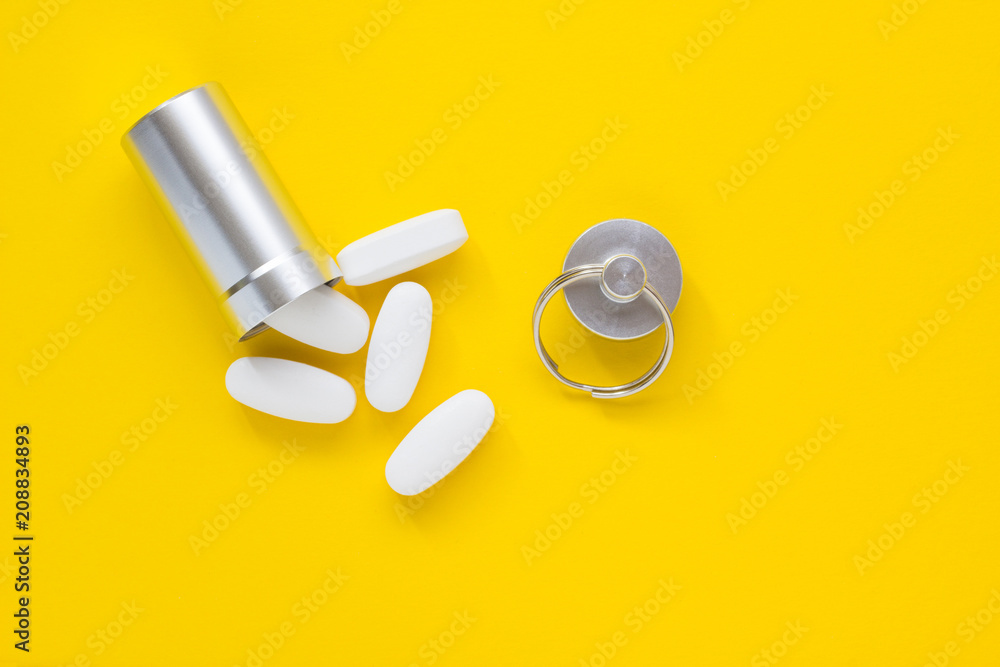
{"type": "Point", "coordinates": [224, 200]}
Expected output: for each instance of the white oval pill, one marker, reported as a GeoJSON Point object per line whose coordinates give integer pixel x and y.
{"type": "Point", "coordinates": [398, 347]}
{"type": "Point", "coordinates": [402, 247]}
{"type": "Point", "coordinates": [290, 390]}
{"type": "Point", "coordinates": [439, 442]}
{"type": "Point", "coordinates": [323, 318]}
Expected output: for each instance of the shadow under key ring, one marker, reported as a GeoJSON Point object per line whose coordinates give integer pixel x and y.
{"type": "Point", "coordinates": [633, 260]}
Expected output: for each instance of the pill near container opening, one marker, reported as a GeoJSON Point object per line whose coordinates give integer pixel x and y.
{"type": "Point", "coordinates": [402, 247]}
{"type": "Point", "coordinates": [439, 442]}
{"type": "Point", "coordinates": [290, 390]}
{"type": "Point", "coordinates": [398, 347]}
{"type": "Point", "coordinates": [323, 318]}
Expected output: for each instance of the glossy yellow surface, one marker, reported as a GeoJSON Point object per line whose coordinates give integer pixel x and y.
{"type": "Point", "coordinates": [813, 481]}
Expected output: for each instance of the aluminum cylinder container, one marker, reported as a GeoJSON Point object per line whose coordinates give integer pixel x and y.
{"type": "Point", "coordinates": [225, 201]}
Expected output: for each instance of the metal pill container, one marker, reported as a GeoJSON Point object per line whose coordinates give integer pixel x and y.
{"type": "Point", "coordinates": [225, 202]}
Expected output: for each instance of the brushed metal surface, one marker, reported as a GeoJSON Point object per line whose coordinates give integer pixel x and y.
{"type": "Point", "coordinates": [228, 206]}
{"type": "Point", "coordinates": [613, 319]}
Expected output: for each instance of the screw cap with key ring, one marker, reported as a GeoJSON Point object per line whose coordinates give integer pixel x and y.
{"type": "Point", "coordinates": [639, 284]}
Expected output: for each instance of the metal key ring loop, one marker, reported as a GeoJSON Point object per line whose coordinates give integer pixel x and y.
{"type": "Point", "coordinates": [616, 391]}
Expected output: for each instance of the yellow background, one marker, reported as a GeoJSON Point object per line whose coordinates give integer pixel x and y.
{"type": "Point", "coordinates": [461, 549]}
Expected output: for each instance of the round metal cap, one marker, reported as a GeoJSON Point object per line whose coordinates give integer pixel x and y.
{"type": "Point", "coordinates": [632, 253]}
{"type": "Point", "coordinates": [623, 278]}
